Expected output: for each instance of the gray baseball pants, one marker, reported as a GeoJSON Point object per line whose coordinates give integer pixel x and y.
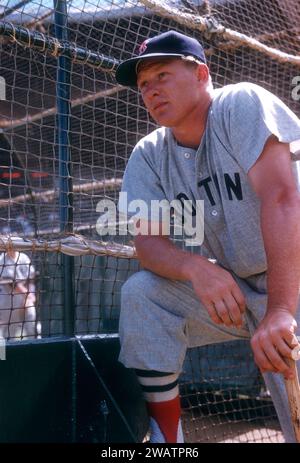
{"type": "Point", "coordinates": [161, 318]}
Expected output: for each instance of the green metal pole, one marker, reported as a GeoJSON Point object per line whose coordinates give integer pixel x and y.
{"type": "Point", "coordinates": [64, 157]}
{"type": "Point", "coordinates": [66, 193]}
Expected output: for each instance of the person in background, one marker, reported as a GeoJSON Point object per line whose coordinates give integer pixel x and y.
{"type": "Point", "coordinates": [17, 297]}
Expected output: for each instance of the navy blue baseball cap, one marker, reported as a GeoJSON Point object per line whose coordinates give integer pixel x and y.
{"type": "Point", "coordinates": [167, 45]}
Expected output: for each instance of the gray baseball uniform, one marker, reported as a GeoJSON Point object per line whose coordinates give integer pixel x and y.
{"type": "Point", "coordinates": [240, 120]}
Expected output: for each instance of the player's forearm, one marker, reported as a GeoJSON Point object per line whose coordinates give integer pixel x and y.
{"type": "Point", "coordinates": [162, 257]}
{"type": "Point", "coordinates": [281, 232]}
{"type": "Point", "coordinates": [20, 288]}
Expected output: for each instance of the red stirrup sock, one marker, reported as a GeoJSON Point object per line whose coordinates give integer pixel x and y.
{"type": "Point", "coordinates": [163, 403]}
{"type": "Point", "coordinates": [167, 417]}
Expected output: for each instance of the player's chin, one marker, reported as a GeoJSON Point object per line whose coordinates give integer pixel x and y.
{"type": "Point", "coordinates": [163, 120]}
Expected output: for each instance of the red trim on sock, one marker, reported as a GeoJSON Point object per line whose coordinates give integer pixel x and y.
{"type": "Point", "coordinates": [167, 415]}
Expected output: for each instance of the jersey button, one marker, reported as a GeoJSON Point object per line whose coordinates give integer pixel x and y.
{"type": "Point", "coordinates": [187, 155]}
{"type": "Point", "coordinates": [214, 213]}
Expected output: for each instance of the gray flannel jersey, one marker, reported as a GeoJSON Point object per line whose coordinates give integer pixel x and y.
{"type": "Point", "coordinates": [240, 120]}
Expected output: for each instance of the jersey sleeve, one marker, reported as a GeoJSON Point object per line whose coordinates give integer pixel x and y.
{"type": "Point", "coordinates": [7, 268]}
{"type": "Point", "coordinates": [141, 186]}
{"type": "Point", "coordinates": [31, 271]}
{"type": "Point", "coordinates": [252, 115]}
{"type": "Point", "coordinates": [23, 267]}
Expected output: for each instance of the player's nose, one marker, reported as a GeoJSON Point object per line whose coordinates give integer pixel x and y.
{"type": "Point", "coordinates": [152, 91]}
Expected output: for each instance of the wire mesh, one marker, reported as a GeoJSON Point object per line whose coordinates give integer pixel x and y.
{"type": "Point", "coordinates": [257, 41]}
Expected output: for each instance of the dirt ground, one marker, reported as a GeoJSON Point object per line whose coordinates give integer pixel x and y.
{"type": "Point", "coordinates": [219, 428]}
{"type": "Point", "coordinates": [215, 417]}
{"type": "Point", "coordinates": [213, 430]}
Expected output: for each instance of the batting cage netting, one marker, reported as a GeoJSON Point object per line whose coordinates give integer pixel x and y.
{"type": "Point", "coordinates": [66, 132]}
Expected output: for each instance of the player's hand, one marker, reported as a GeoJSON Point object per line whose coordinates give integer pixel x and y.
{"type": "Point", "coordinates": [219, 293]}
{"type": "Point", "coordinates": [274, 340]}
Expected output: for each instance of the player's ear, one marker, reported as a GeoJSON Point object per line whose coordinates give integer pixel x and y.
{"type": "Point", "coordinates": [202, 72]}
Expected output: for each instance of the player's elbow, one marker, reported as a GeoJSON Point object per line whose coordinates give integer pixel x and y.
{"type": "Point", "coordinates": [282, 197]}
{"type": "Point", "coordinates": [283, 204]}
{"type": "Point", "coordinates": [147, 247]}
{"type": "Point", "coordinates": [142, 246]}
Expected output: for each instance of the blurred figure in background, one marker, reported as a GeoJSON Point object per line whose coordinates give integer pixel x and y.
{"type": "Point", "coordinates": [17, 297]}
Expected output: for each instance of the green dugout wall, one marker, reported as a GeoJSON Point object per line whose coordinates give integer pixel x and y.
{"type": "Point", "coordinates": [49, 392]}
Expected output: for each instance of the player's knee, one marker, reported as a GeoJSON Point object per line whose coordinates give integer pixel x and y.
{"type": "Point", "coordinates": [133, 306]}
{"type": "Point", "coordinates": [141, 285]}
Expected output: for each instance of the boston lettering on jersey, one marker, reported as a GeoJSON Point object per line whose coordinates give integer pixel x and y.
{"type": "Point", "coordinates": [233, 187]}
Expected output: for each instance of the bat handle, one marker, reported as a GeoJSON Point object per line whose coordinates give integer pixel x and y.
{"type": "Point", "coordinates": [293, 392]}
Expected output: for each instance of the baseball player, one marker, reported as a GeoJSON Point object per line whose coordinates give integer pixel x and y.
{"type": "Point", "coordinates": [17, 296]}
{"type": "Point", "coordinates": [230, 148]}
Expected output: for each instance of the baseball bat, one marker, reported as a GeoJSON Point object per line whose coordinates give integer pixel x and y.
{"type": "Point", "coordinates": [293, 392]}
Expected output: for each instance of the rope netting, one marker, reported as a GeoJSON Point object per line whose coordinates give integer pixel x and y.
{"type": "Point", "coordinates": [256, 41]}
